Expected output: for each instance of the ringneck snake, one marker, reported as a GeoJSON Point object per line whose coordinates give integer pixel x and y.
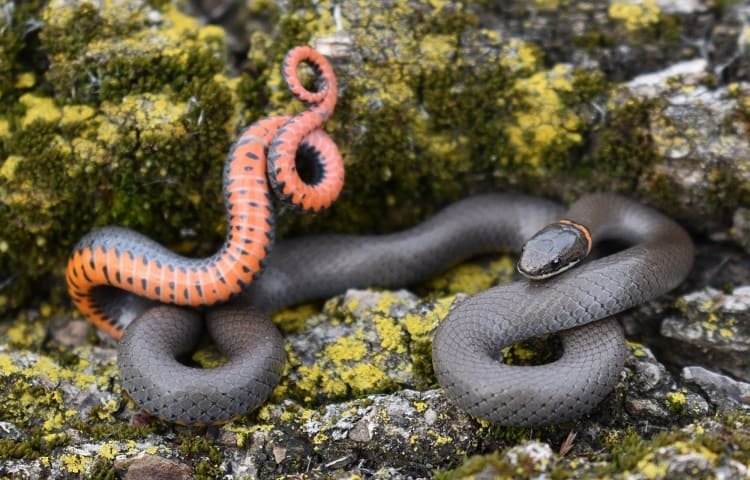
{"type": "Point", "coordinates": [118, 277]}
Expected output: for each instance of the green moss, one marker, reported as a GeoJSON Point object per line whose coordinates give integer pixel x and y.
{"type": "Point", "coordinates": [731, 438]}
{"type": "Point", "coordinates": [624, 453]}
{"type": "Point", "coordinates": [103, 469]}
{"type": "Point", "coordinates": [161, 112]}
{"type": "Point", "coordinates": [420, 328]}
{"type": "Point", "coordinates": [623, 151]}
{"type": "Point", "coordinates": [495, 465]}
{"type": "Point", "coordinates": [206, 456]}
{"type": "Point", "coordinates": [18, 52]}
{"type": "Point", "coordinates": [115, 40]}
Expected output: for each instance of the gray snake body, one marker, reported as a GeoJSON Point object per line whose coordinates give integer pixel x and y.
{"type": "Point", "coordinates": [466, 344]}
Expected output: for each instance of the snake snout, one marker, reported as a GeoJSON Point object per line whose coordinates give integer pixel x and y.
{"type": "Point", "coordinates": [554, 249]}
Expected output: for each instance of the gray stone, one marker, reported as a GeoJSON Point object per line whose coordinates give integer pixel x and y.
{"type": "Point", "coordinates": [152, 467]}
{"type": "Point", "coordinates": [723, 392]}
{"type": "Point", "coordinates": [714, 330]}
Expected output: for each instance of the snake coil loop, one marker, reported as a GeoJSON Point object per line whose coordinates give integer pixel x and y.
{"type": "Point", "coordinates": [143, 271]}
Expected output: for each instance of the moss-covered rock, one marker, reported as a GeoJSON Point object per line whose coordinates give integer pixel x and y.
{"type": "Point", "coordinates": [713, 330]}
{"type": "Point", "coordinates": [121, 112]}
{"type": "Point", "coordinates": [128, 125]}
{"type": "Point", "coordinates": [136, 105]}
{"type": "Point", "coordinates": [705, 448]}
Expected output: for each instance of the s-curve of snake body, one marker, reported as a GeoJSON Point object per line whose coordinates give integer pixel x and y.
{"type": "Point", "coordinates": [115, 275]}
{"type": "Point", "coordinates": [119, 278]}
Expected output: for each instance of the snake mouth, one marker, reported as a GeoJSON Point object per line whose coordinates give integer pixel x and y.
{"type": "Point", "coordinates": [544, 274]}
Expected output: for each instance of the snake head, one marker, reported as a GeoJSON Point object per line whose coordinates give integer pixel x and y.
{"type": "Point", "coordinates": [554, 249]}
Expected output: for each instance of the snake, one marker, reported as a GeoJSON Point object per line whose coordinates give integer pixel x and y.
{"type": "Point", "coordinates": [116, 275]}
{"type": "Point", "coordinates": [138, 291]}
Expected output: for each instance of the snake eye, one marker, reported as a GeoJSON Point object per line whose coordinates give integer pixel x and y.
{"type": "Point", "coordinates": [556, 261]}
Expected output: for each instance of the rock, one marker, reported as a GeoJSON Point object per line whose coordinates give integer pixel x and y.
{"type": "Point", "coordinates": [108, 105]}
{"type": "Point", "coordinates": [713, 330]}
{"type": "Point", "coordinates": [722, 391]}
{"type": "Point", "coordinates": [407, 430]}
{"type": "Point", "coordinates": [72, 333]}
{"type": "Point", "coordinates": [652, 395]}
{"type": "Point", "coordinates": [701, 152]}
{"type": "Point", "coordinates": [740, 231]}
{"type": "Point", "coordinates": [152, 467]}
{"type": "Point", "coordinates": [681, 454]}
{"type": "Point", "coordinates": [362, 344]}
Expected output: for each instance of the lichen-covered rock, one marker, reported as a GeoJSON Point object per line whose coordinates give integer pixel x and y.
{"type": "Point", "coordinates": [714, 329]}
{"type": "Point", "coordinates": [438, 99]}
{"type": "Point", "coordinates": [134, 99]}
{"type": "Point", "coordinates": [700, 449]}
{"type": "Point", "coordinates": [741, 227]}
{"type": "Point", "coordinates": [407, 430]}
{"type": "Point", "coordinates": [360, 345]}
{"type": "Point", "coordinates": [723, 392]}
{"type": "Point", "coordinates": [121, 112]}
{"type": "Point", "coordinates": [701, 173]}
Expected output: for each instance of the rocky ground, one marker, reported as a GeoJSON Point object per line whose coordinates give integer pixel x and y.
{"type": "Point", "coordinates": [120, 112]}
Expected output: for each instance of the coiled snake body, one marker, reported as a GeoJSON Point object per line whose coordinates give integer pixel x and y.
{"type": "Point", "coordinates": [109, 263]}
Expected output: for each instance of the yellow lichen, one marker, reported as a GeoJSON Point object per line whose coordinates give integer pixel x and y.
{"type": "Point", "coordinates": [25, 80]}
{"type": "Point", "coordinates": [8, 170]}
{"type": "Point", "coordinates": [710, 327]}
{"type": "Point", "coordinates": [651, 470]}
{"type": "Point", "coordinates": [439, 439]}
{"type": "Point", "coordinates": [392, 336]}
{"type": "Point", "coordinates": [319, 438]}
{"type": "Point", "coordinates": [676, 401]}
{"type": "Point", "coordinates": [637, 349]}
{"type": "Point", "coordinates": [386, 301]}
{"type": "Point", "coordinates": [419, 325]}
{"type": "Point", "coordinates": [72, 114]}
{"type": "Point", "coordinates": [107, 409]}
{"type": "Point", "coordinates": [466, 278]}
{"type": "Point", "coordinates": [54, 421]}
{"type": "Point", "coordinates": [293, 319]}
{"type": "Point", "coordinates": [518, 352]}
{"type": "Point", "coordinates": [39, 108]}
{"type": "Point", "coordinates": [4, 127]}
{"type": "Point", "coordinates": [179, 21]}
{"type": "Point", "coordinates": [637, 14]}
{"type": "Point", "coordinates": [244, 432]}
{"type": "Point", "coordinates": [547, 4]}
{"type": "Point", "coordinates": [7, 366]}
{"type": "Point", "coordinates": [365, 377]}
{"type": "Point", "coordinates": [211, 33]}
{"type": "Point", "coordinates": [151, 450]}
{"type": "Point", "coordinates": [24, 334]}
{"type": "Point", "coordinates": [519, 57]}
{"type": "Point", "coordinates": [314, 380]}
{"type": "Point", "coordinates": [74, 463]}
{"type": "Point", "coordinates": [46, 367]}
{"type": "Point", "coordinates": [435, 49]}
{"type": "Point", "coordinates": [685, 447]}
{"type": "Point", "coordinates": [346, 349]}
{"type": "Point", "coordinates": [154, 114]}
{"type": "Point", "coordinates": [542, 120]}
